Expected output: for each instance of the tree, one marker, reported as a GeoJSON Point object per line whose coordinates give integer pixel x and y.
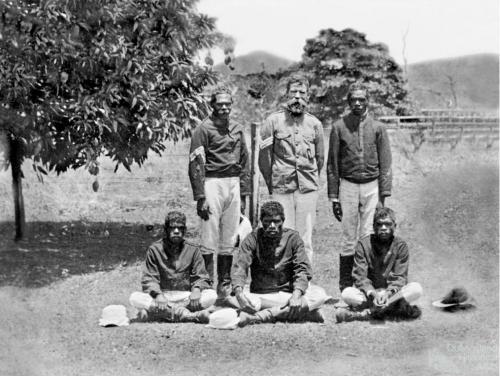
{"type": "Point", "coordinates": [335, 59]}
{"type": "Point", "coordinates": [81, 79]}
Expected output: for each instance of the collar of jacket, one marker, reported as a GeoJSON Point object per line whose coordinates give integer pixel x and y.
{"type": "Point", "coordinates": [289, 115]}
{"type": "Point", "coordinates": [172, 249]}
{"type": "Point", "coordinates": [358, 119]}
{"type": "Point", "coordinates": [231, 125]}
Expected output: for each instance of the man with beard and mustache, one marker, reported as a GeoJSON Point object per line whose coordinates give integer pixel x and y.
{"type": "Point", "coordinates": [358, 175]}
{"type": "Point", "coordinates": [175, 284]}
{"type": "Point", "coordinates": [380, 273]}
{"type": "Point", "coordinates": [220, 179]}
{"type": "Point", "coordinates": [291, 158]}
{"type": "Point", "coordinates": [280, 272]}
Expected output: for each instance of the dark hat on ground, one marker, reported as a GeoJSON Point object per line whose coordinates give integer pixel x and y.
{"type": "Point", "coordinates": [457, 297]}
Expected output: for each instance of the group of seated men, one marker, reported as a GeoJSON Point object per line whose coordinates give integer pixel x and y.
{"type": "Point", "coordinates": [177, 288]}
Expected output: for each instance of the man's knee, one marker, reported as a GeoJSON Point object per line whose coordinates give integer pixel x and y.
{"type": "Point", "coordinates": [353, 297]}
{"type": "Point", "coordinates": [412, 291]}
{"type": "Point", "coordinates": [316, 296]}
{"type": "Point", "coordinates": [208, 298]}
{"type": "Point", "coordinates": [140, 300]}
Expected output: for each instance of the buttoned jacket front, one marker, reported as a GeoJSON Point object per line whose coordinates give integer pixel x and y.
{"type": "Point", "coordinates": [291, 152]}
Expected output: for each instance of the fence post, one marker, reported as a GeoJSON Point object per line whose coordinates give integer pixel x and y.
{"type": "Point", "coordinates": [254, 171]}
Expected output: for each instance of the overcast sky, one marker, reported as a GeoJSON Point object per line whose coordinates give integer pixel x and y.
{"type": "Point", "coordinates": [436, 28]}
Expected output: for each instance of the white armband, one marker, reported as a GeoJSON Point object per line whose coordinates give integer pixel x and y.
{"type": "Point", "coordinates": [199, 151]}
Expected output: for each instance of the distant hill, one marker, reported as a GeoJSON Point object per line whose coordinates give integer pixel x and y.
{"type": "Point", "coordinates": [255, 62]}
{"type": "Point", "coordinates": [474, 79]}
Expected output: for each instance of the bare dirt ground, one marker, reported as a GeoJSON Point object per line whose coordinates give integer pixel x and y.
{"type": "Point", "coordinates": [85, 248]}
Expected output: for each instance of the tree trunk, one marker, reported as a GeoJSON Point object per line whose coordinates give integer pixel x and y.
{"type": "Point", "coordinates": [16, 158]}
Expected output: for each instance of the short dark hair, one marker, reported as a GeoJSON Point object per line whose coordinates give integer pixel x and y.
{"type": "Point", "coordinates": [297, 78]}
{"type": "Point", "coordinates": [384, 213]}
{"type": "Point", "coordinates": [356, 87]}
{"type": "Point", "coordinates": [272, 208]}
{"type": "Point", "coordinates": [221, 89]}
{"type": "Point", "coordinates": [174, 217]}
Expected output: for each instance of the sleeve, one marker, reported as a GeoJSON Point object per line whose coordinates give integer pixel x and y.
{"type": "Point", "coordinates": [199, 276]}
{"type": "Point", "coordinates": [266, 153]}
{"type": "Point", "coordinates": [245, 186]}
{"type": "Point", "coordinates": [320, 147]}
{"type": "Point", "coordinates": [150, 274]}
{"type": "Point", "coordinates": [242, 261]}
{"type": "Point", "coordinates": [398, 275]}
{"type": "Point", "coordinates": [385, 161]}
{"type": "Point", "coordinates": [197, 159]}
{"type": "Point", "coordinates": [332, 167]}
{"type": "Point", "coordinates": [301, 267]}
{"type": "Point", "coordinates": [360, 269]}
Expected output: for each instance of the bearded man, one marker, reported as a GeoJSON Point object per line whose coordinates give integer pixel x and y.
{"type": "Point", "coordinates": [291, 158]}
{"type": "Point", "coordinates": [175, 284]}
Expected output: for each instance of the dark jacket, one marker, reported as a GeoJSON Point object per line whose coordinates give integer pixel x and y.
{"type": "Point", "coordinates": [278, 266]}
{"type": "Point", "coordinates": [376, 266]}
{"type": "Point", "coordinates": [359, 152]}
{"type": "Point", "coordinates": [219, 153]}
{"type": "Point", "coordinates": [165, 270]}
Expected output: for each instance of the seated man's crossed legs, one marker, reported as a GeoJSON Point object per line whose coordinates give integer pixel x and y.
{"type": "Point", "coordinates": [178, 302]}
{"type": "Point", "coordinates": [399, 304]}
{"type": "Point", "coordinates": [274, 306]}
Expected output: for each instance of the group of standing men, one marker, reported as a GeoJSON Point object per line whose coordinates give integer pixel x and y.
{"type": "Point", "coordinates": [279, 254]}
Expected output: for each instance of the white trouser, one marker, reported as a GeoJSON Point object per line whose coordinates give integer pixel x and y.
{"type": "Point", "coordinates": [218, 234]}
{"type": "Point", "coordinates": [300, 215]}
{"type": "Point", "coordinates": [141, 300]}
{"type": "Point", "coordinates": [355, 297]}
{"type": "Point", "coordinates": [314, 295]}
{"type": "Point", "coordinates": [359, 202]}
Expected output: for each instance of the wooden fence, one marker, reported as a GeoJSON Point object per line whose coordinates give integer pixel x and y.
{"type": "Point", "coordinates": [450, 128]}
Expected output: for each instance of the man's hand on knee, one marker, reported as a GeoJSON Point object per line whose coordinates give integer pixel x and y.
{"type": "Point", "coordinates": [194, 299]}
{"type": "Point", "coordinates": [380, 299]}
{"type": "Point", "coordinates": [161, 302]}
{"type": "Point", "coordinates": [243, 301]}
{"type": "Point", "coordinates": [296, 304]}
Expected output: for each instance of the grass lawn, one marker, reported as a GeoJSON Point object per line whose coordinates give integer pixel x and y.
{"type": "Point", "coordinates": [84, 251]}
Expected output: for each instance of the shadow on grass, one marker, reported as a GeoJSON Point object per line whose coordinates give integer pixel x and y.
{"type": "Point", "coordinates": [57, 250]}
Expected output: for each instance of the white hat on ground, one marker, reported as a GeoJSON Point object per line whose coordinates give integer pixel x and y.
{"type": "Point", "coordinates": [225, 318]}
{"type": "Point", "coordinates": [114, 315]}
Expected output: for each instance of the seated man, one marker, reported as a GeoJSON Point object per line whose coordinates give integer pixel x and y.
{"type": "Point", "coordinates": [380, 275]}
{"type": "Point", "coordinates": [174, 280]}
{"type": "Point", "coordinates": [280, 272]}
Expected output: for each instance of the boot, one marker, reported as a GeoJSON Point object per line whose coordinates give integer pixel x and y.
{"type": "Point", "coordinates": [224, 263]}
{"type": "Point", "coordinates": [346, 315]}
{"type": "Point", "coordinates": [345, 272]}
{"type": "Point", "coordinates": [209, 266]}
{"type": "Point", "coordinates": [258, 318]}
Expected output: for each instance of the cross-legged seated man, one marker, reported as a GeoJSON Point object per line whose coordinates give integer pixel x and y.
{"type": "Point", "coordinates": [280, 272]}
{"type": "Point", "coordinates": [175, 283]}
{"type": "Point", "coordinates": [380, 274]}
